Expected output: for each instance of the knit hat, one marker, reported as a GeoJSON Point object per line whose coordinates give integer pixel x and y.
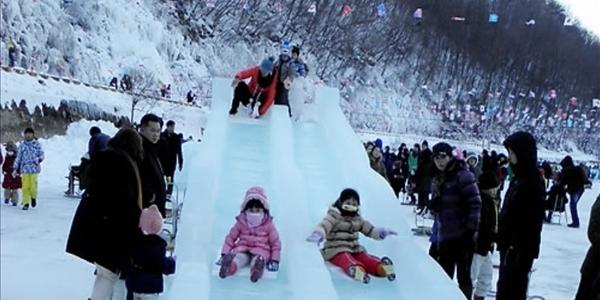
{"type": "Point", "coordinates": [285, 48]}
{"type": "Point", "coordinates": [266, 66]}
{"type": "Point", "coordinates": [488, 180]}
{"type": "Point", "coordinates": [151, 220]}
{"type": "Point", "coordinates": [378, 143]}
{"type": "Point", "coordinates": [442, 148]}
{"type": "Point", "coordinates": [258, 193]}
{"type": "Point", "coordinates": [472, 155]}
{"type": "Point", "coordinates": [11, 146]}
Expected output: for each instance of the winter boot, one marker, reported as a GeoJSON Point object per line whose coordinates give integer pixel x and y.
{"type": "Point", "coordinates": [386, 269]}
{"type": "Point", "coordinates": [227, 264]}
{"type": "Point", "coordinates": [257, 269]}
{"type": "Point", "coordinates": [26, 207]}
{"type": "Point", "coordinates": [359, 274]}
{"type": "Point", "coordinates": [33, 203]}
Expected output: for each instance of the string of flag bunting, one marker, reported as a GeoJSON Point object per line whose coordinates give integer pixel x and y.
{"type": "Point", "coordinates": [382, 11]}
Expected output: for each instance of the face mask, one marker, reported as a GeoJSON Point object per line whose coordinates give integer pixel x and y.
{"type": "Point", "coordinates": [349, 208]}
{"type": "Point", "coordinates": [10, 153]}
{"type": "Point", "coordinates": [254, 219]}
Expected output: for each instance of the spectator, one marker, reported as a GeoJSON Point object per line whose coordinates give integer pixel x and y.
{"type": "Point", "coordinates": [590, 269]}
{"type": "Point", "coordinates": [11, 184]}
{"type": "Point", "coordinates": [114, 83]}
{"type": "Point", "coordinates": [423, 176]}
{"type": "Point", "coordinates": [574, 178]}
{"type": "Point", "coordinates": [259, 93]}
{"type": "Point", "coordinates": [456, 206]}
{"type": "Point", "coordinates": [29, 158]}
{"type": "Point", "coordinates": [191, 97]}
{"type": "Point", "coordinates": [145, 277]}
{"type": "Point", "coordinates": [472, 161]}
{"type": "Point", "coordinates": [98, 141]}
{"type": "Point", "coordinates": [106, 221]}
{"type": "Point", "coordinates": [482, 269]}
{"type": "Point", "coordinates": [521, 218]}
{"type": "Point", "coordinates": [12, 53]}
{"type": "Point", "coordinates": [171, 155]}
{"type": "Point", "coordinates": [377, 163]}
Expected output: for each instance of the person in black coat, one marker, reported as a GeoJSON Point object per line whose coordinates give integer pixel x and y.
{"type": "Point", "coordinates": [151, 170]}
{"type": "Point", "coordinates": [575, 179]}
{"type": "Point", "coordinates": [106, 220]}
{"type": "Point", "coordinates": [482, 268]}
{"type": "Point", "coordinates": [171, 155]}
{"type": "Point", "coordinates": [98, 141]}
{"type": "Point", "coordinates": [521, 218]}
{"type": "Point", "coordinates": [148, 262]}
{"type": "Point", "coordinates": [423, 175]}
{"type": "Point", "coordinates": [589, 285]}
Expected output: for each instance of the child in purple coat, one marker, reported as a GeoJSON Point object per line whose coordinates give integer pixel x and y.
{"type": "Point", "coordinates": [253, 240]}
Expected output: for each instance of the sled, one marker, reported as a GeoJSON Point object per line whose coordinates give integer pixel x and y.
{"type": "Point", "coordinates": [243, 272]}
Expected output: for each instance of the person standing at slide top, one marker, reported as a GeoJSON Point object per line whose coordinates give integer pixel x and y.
{"type": "Point", "coordinates": [259, 92]}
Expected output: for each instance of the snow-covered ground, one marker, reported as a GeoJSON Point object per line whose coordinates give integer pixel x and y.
{"type": "Point", "coordinates": [35, 266]}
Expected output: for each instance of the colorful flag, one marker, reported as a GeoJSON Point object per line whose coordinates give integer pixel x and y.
{"type": "Point", "coordinates": [569, 21]}
{"type": "Point", "coordinates": [493, 18]}
{"type": "Point", "coordinates": [381, 11]}
{"type": "Point", "coordinates": [313, 8]}
{"type": "Point", "coordinates": [531, 22]}
{"type": "Point", "coordinates": [346, 10]}
{"type": "Point", "coordinates": [418, 14]}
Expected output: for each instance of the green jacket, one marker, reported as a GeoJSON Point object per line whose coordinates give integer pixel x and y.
{"type": "Point", "coordinates": [413, 161]}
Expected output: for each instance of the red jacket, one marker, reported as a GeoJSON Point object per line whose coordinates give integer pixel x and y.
{"type": "Point", "coordinates": [253, 73]}
{"type": "Point", "coordinates": [10, 182]}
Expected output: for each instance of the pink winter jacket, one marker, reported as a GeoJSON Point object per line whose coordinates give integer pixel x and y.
{"type": "Point", "coordinates": [261, 240]}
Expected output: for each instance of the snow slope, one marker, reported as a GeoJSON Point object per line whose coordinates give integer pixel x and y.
{"type": "Point", "coordinates": [15, 87]}
{"type": "Point", "coordinates": [302, 180]}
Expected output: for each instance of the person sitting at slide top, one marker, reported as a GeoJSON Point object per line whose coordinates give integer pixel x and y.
{"type": "Point", "coordinates": [340, 230]}
{"type": "Point", "coordinates": [259, 92]}
{"type": "Point", "coordinates": [253, 240]}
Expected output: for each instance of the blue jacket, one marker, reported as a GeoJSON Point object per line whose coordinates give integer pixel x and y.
{"type": "Point", "coordinates": [29, 157]}
{"type": "Point", "coordinates": [97, 143]}
{"type": "Point", "coordinates": [298, 66]}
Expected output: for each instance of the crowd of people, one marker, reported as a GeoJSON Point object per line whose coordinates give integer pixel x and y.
{"type": "Point", "coordinates": [462, 190]}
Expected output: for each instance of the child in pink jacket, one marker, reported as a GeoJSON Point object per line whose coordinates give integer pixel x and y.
{"type": "Point", "coordinates": [253, 240]}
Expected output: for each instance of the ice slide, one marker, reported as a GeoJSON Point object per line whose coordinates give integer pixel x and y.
{"type": "Point", "coordinates": [303, 167]}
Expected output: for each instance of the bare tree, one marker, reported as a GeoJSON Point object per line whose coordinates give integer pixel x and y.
{"type": "Point", "coordinates": [143, 83]}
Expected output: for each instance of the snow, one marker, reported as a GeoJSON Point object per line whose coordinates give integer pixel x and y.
{"type": "Point", "coordinates": [14, 86]}
{"type": "Point", "coordinates": [303, 166]}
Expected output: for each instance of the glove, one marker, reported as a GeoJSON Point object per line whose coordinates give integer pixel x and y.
{"type": "Point", "coordinates": [383, 232]}
{"type": "Point", "coordinates": [273, 266]}
{"type": "Point", "coordinates": [315, 237]}
{"type": "Point", "coordinates": [255, 112]}
{"type": "Point", "coordinates": [169, 267]}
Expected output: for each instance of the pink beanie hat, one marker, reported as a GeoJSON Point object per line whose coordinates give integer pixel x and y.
{"type": "Point", "coordinates": [258, 193]}
{"type": "Point", "coordinates": [151, 220]}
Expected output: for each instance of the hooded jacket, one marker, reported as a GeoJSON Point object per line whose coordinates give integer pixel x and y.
{"type": "Point", "coordinates": [572, 176]}
{"type": "Point", "coordinates": [341, 233]}
{"type": "Point", "coordinates": [522, 213]}
{"type": "Point", "coordinates": [261, 240]}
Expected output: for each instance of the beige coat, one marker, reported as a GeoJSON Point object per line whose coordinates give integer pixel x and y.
{"type": "Point", "coordinates": [341, 233]}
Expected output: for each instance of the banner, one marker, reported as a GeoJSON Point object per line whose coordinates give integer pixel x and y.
{"type": "Point", "coordinates": [381, 11]}
{"type": "Point", "coordinates": [346, 10]}
{"type": "Point", "coordinates": [312, 9]}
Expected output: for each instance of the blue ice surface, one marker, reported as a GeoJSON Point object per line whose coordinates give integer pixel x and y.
{"type": "Point", "coordinates": [303, 167]}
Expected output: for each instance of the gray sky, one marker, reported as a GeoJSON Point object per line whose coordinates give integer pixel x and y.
{"type": "Point", "coordinates": [587, 13]}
